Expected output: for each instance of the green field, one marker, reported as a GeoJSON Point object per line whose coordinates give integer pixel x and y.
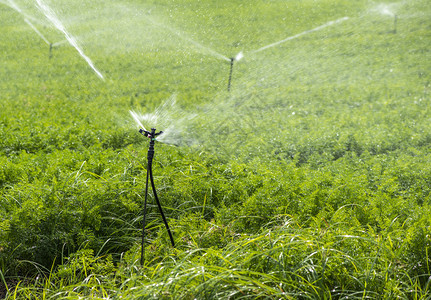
{"type": "Point", "coordinates": [309, 179]}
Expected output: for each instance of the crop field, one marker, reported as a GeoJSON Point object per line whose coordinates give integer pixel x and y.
{"type": "Point", "coordinates": [294, 161]}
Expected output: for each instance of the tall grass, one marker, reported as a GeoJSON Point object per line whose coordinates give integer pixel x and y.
{"type": "Point", "coordinates": [283, 261]}
{"type": "Point", "coordinates": [310, 179]}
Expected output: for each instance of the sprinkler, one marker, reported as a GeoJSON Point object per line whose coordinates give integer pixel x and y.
{"type": "Point", "coordinates": [41, 36]}
{"type": "Point", "coordinates": [386, 11]}
{"type": "Point", "coordinates": [230, 73]}
{"type": "Point", "coordinates": [152, 136]}
{"type": "Point", "coordinates": [232, 59]}
{"type": "Point", "coordinates": [395, 23]}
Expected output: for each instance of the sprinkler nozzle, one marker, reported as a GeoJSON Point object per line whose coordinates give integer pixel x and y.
{"type": "Point", "coordinates": [144, 132]}
{"type": "Point", "coordinates": [148, 133]}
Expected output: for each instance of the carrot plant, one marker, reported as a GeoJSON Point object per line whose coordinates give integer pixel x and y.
{"type": "Point", "coordinates": [309, 179]}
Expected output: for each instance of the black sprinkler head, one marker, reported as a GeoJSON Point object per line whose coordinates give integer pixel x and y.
{"type": "Point", "coordinates": [144, 132]}
{"type": "Point", "coordinates": [150, 134]}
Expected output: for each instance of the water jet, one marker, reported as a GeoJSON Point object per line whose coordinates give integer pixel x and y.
{"type": "Point", "coordinates": [41, 36]}
{"type": "Point", "coordinates": [184, 37]}
{"type": "Point", "coordinates": [59, 43]}
{"type": "Point", "coordinates": [37, 31]}
{"type": "Point", "coordinates": [52, 17]}
{"type": "Point", "coordinates": [330, 23]}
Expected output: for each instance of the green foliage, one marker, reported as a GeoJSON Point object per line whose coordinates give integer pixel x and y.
{"type": "Point", "coordinates": [81, 265]}
{"type": "Point", "coordinates": [309, 179]}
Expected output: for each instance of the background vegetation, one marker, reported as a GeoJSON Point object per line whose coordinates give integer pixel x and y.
{"type": "Point", "coordinates": [309, 179]}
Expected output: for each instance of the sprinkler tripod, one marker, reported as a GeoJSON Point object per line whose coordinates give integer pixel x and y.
{"type": "Point", "coordinates": [230, 73]}
{"type": "Point", "coordinates": [232, 59]}
{"type": "Point", "coordinates": [152, 135]}
{"type": "Point", "coordinates": [395, 24]}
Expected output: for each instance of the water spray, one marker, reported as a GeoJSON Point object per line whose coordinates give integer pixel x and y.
{"type": "Point", "coordinates": [152, 136]}
{"type": "Point", "coordinates": [37, 31]}
{"type": "Point", "coordinates": [184, 37]}
{"type": "Point", "coordinates": [41, 36]}
{"type": "Point", "coordinates": [232, 59]}
{"type": "Point", "coordinates": [59, 43]}
{"type": "Point", "coordinates": [330, 23]}
{"type": "Point", "coordinates": [52, 17]}
{"type": "Point", "coordinates": [29, 23]}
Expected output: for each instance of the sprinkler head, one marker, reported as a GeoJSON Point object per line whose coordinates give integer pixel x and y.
{"type": "Point", "coordinates": [149, 134]}
{"type": "Point", "coordinates": [144, 132]}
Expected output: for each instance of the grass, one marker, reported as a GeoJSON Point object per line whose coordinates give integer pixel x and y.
{"type": "Point", "coordinates": [310, 179]}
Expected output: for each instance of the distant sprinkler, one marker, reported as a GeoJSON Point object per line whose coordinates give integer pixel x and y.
{"type": "Point", "coordinates": [230, 74]}
{"type": "Point", "coordinates": [395, 23]}
{"type": "Point", "coordinates": [388, 12]}
{"type": "Point", "coordinates": [53, 45]}
{"type": "Point", "coordinates": [236, 58]}
{"type": "Point", "coordinates": [41, 36]}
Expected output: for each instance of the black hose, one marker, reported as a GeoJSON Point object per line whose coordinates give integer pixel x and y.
{"type": "Point", "coordinates": [145, 215]}
{"type": "Point", "coordinates": [160, 208]}
{"type": "Point", "coordinates": [150, 175]}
